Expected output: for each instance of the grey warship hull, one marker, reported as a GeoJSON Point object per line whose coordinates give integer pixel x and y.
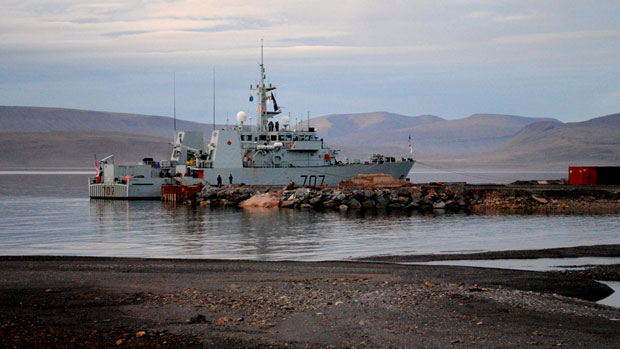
{"type": "Point", "coordinates": [320, 175]}
{"type": "Point", "coordinates": [150, 188]}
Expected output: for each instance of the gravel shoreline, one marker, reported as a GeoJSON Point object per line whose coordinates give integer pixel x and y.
{"type": "Point", "coordinates": [125, 302]}
{"type": "Point", "coordinates": [612, 250]}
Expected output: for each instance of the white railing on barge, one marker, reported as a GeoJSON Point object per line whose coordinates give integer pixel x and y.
{"type": "Point", "coordinates": [103, 190]}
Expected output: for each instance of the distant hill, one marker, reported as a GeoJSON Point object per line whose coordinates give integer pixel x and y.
{"type": "Point", "coordinates": [68, 138]}
{"type": "Point", "coordinates": [592, 142]}
{"type": "Point", "coordinates": [76, 149]}
{"type": "Point", "coordinates": [60, 119]}
{"type": "Point", "coordinates": [388, 133]}
{"type": "Point", "coordinates": [335, 126]}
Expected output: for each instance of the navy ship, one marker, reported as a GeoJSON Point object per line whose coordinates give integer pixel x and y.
{"type": "Point", "coordinates": [269, 153]}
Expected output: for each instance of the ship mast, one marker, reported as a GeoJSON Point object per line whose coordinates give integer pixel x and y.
{"type": "Point", "coordinates": [262, 100]}
{"type": "Point", "coordinates": [262, 115]}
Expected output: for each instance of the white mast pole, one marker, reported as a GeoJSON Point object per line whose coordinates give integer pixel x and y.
{"type": "Point", "coordinates": [262, 103]}
{"type": "Point", "coordinates": [174, 101]}
{"type": "Point", "coordinates": [214, 98]}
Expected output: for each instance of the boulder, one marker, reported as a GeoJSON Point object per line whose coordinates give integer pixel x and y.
{"type": "Point", "coordinates": [412, 206]}
{"type": "Point", "coordinates": [289, 203]}
{"type": "Point", "coordinates": [208, 192]}
{"type": "Point", "coordinates": [354, 204]}
{"type": "Point", "coordinates": [266, 200]}
{"type": "Point", "coordinates": [330, 204]}
{"type": "Point", "coordinates": [539, 199]}
{"type": "Point", "coordinates": [302, 193]}
{"type": "Point", "coordinates": [369, 204]}
{"type": "Point", "coordinates": [382, 201]}
{"type": "Point", "coordinates": [334, 194]}
{"type": "Point", "coordinates": [368, 194]}
{"type": "Point", "coordinates": [403, 200]}
{"type": "Point", "coordinates": [404, 192]}
{"type": "Point", "coordinates": [376, 180]}
{"type": "Point", "coordinates": [314, 201]}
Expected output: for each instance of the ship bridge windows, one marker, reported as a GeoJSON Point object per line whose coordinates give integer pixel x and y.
{"type": "Point", "coordinates": [274, 137]}
{"type": "Point", "coordinates": [262, 137]}
{"type": "Point", "coordinates": [281, 137]}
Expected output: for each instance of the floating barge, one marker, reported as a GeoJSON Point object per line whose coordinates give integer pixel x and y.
{"type": "Point", "coordinates": [180, 193]}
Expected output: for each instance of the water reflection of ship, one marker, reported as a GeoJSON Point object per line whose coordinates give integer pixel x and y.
{"type": "Point", "coordinates": [166, 229]}
{"type": "Point", "coordinates": [108, 213]}
{"type": "Point", "coordinates": [177, 230]}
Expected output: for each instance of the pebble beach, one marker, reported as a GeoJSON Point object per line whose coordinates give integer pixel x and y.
{"type": "Point", "coordinates": [121, 302]}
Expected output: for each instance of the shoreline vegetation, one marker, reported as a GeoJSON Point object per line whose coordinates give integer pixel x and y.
{"type": "Point", "coordinates": [55, 301]}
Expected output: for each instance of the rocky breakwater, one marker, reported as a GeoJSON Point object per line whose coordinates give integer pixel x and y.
{"type": "Point", "coordinates": [227, 196]}
{"type": "Point", "coordinates": [388, 197]}
{"type": "Point", "coordinates": [439, 198]}
{"type": "Point", "coordinates": [545, 199]}
{"type": "Point", "coordinates": [351, 198]}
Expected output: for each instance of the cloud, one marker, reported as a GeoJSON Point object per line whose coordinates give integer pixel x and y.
{"type": "Point", "coordinates": [502, 17]}
{"type": "Point", "coordinates": [516, 18]}
{"type": "Point", "coordinates": [559, 37]}
{"type": "Point", "coordinates": [125, 33]}
{"type": "Point", "coordinates": [447, 40]}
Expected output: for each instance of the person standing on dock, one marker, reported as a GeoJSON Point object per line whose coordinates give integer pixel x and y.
{"type": "Point", "coordinates": [230, 179]}
{"type": "Point", "coordinates": [219, 180]}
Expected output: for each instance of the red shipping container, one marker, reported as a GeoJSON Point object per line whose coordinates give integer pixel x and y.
{"type": "Point", "coordinates": [592, 178]}
{"type": "Point", "coordinates": [574, 175]}
{"type": "Point", "coordinates": [594, 175]}
{"type": "Point", "coordinates": [585, 175]}
{"type": "Point", "coordinates": [608, 175]}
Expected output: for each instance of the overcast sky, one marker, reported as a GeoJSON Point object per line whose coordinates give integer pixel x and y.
{"type": "Point", "coordinates": [557, 59]}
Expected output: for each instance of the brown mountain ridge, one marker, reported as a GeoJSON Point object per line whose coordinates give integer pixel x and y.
{"type": "Point", "coordinates": [56, 137]}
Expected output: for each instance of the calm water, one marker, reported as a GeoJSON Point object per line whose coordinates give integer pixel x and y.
{"type": "Point", "coordinates": [420, 174]}
{"type": "Point", "coordinates": [50, 214]}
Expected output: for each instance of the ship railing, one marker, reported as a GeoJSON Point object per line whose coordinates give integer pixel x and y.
{"type": "Point", "coordinates": [376, 160]}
